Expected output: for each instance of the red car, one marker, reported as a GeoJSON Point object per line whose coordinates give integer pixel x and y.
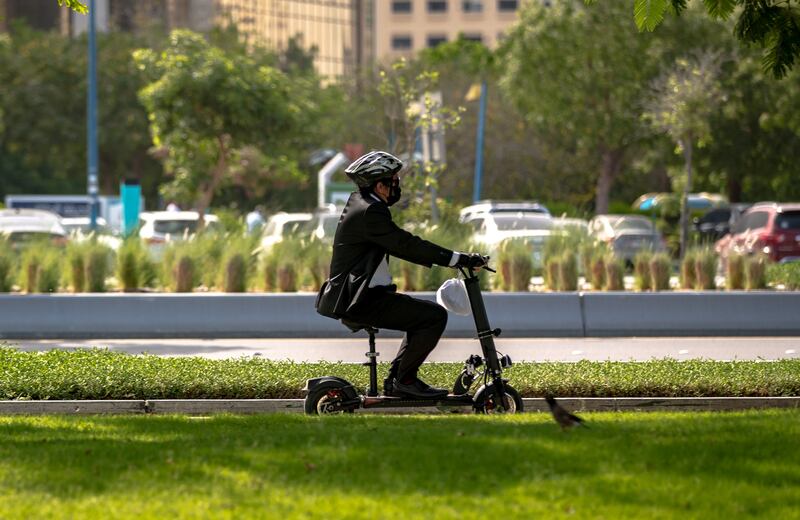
{"type": "Point", "coordinates": [768, 228]}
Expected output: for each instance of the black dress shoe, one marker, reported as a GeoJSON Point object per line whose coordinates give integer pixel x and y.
{"type": "Point", "coordinates": [418, 390]}
{"type": "Point", "coordinates": [438, 390]}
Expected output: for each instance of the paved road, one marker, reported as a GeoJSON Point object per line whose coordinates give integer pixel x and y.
{"type": "Point", "coordinates": [520, 349]}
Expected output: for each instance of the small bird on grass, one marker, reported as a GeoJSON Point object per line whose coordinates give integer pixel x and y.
{"type": "Point", "coordinates": [564, 419]}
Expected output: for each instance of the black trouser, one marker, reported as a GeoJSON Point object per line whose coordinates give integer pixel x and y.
{"type": "Point", "coordinates": [421, 320]}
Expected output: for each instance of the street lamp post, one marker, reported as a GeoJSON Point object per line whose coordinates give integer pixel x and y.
{"type": "Point", "coordinates": [91, 116]}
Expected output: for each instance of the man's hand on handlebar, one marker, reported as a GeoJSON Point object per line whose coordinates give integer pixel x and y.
{"type": "Point", "coordinates": [471, 260]}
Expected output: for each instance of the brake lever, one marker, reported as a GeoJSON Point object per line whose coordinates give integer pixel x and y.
{"type": "Point", "coordinates": [489, 269]}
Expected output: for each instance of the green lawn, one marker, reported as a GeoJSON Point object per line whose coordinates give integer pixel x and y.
{"type": "Point", "coordinates": [627, 465]}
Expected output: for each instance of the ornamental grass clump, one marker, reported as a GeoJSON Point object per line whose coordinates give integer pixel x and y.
{"type": "Point", "coordinates": [551, 278]}
{"type": "Point", "coordinates": [688, 278]}
{"type": "Point", "coordinates": [238, 262]}
{"type": "Point", "coordinates": [316, 258]}
{"type": "Point", "coordinates": [755, 273]}
{"type": "Point", "coordinates": [615, 273]}
{"type": "Point", "coordinates": [659, 272]}
{"type": "Point", "coordinates": [598, 270]}
{"type": "Point", "coordinates": [515, 265]}
{"type": "Point", "coordinates": [76, 266]}
{"type": "Point", "coordinates": [785, 275]}
{"type": "Point", "coordinates": [6, 269]}
{"type": "Point", "coordinates": [134, 268]}
{"type": "Point", "coordinates": [568, 272]}
{"type": "Point", "coordinates": [284, 260]}
{"type": "Point", "coordinates": [97, 264]}
{"type": "Point", "coordinates": [234, 275]}
{"type": "Point", "coordinates": [734, 272]}
{"type": "Point", "coordinates": [642, 279]}
{"type": "Point", "coordinates": [705, 270]}
{"type": "Point", "coordinates": [41, 268]}
{"type": "Point", "coordinates": [185, 274]}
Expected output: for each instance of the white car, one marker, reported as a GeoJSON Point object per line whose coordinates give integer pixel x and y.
{"type": "Point", "coordinates": [627, 235]}
{"type": "Point", "coordinates": [80, 229]}
{"type": "Point", "coordinates": [532, 228]}
{"type": "Point", "coordinates": [280, 225]}
{"type": "Point", "coordinates": [489, 207]}
{"type": "Point", "coordinates": [157, 228]}
{"type": "Point", "coordinates": [21, 226]}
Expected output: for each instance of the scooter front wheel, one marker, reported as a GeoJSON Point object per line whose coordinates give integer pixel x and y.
{"type": "Point", "coordinates": [326, 399]}
{"type": "Point", "coordinates": [485, 400]}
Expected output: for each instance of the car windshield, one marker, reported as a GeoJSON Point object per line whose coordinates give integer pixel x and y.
{"type": "Point", "coordinates": [788, 220]}
{"type": "Point", "coordinates": [175, 227]}
{"type": "Point", "coordinates": [516, 222]}
{"type": "Point", "coordinates": [632, 224]}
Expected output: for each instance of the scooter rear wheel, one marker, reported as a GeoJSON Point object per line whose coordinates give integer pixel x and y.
{"type": "Point", "coordinates": [326, 399]}
{"type": "Point", "coordinates": [484, 401]}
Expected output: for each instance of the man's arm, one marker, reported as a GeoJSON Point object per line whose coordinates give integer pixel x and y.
{"type": "Point", "coordinates": [400, 243]}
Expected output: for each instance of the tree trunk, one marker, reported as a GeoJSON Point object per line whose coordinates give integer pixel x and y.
{"type": "Point", "coordinates": [686, 144]}
{"type": "Point", "coordinates": [612, 159]}
{"type": "Point", "coordinates": [209, 189]}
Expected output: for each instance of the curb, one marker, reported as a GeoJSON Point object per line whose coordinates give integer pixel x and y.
{"type": "Point", "coordinates": [260, 406]}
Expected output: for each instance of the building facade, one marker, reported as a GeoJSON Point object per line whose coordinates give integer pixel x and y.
{"type": "Point", "coordinates": [333, 27]}
{"type": "Point", "coordinates": [403, 27]}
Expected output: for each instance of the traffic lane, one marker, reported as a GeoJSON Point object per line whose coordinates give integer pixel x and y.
{"type": "Point", "coordinates": [448, 350]}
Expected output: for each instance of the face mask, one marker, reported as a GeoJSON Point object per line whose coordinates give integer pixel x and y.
{"type": "Point", "coordinates": [394, 193]}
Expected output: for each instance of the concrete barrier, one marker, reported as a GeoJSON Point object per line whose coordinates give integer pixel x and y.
{"type": "Point", "coordinates": [701, 313]}
{"type": "Point", "coordinates": [110, 316]}
{"type": "Point", "coordinates": [62, 316]}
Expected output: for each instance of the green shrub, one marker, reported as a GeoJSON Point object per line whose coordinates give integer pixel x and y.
{"type": "Point", "coordinates": [787, 275]}
{"type": "Point", "coordinates": [755, 273]}
{"type": "Point", "coordinates": [568, 272]}
{"type": "Point", "coordinates": [642, 279]}
{"type": "Point", "coordinates": [207, 250]}
{"type": "Point", "coordinates": [705, 270]}
{"type": "Point", "coordinates": [49, 277]}
{"type": "Point", "coordinates": [688, 278]}
{"type": "Point", "coordinates": [734, 272]}
{"type": "Point", "coordinates": [615, 273]}
{"type": "Point", "coordinates": [660, 272]}
{"type": "Point", "coordinates": [29, 273]}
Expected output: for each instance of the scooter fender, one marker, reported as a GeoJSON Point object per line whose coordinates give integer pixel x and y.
{"type": "Point", "coordinates": [484, 388]}
{"type": "Point", "coordinates": [349, 391]}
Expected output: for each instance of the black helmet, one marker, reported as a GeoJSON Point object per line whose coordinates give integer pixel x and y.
{"type": "Point", "coordinates": [373, 166]}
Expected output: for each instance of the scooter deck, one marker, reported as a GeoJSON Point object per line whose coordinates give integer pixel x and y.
{"type": "Point", "coordinates": [383, 401]}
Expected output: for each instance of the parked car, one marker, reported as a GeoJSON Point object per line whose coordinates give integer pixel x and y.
{"type": "Point", "coordinates": [491, 229]}
{"type": "Point", "coordinates": [627, 235]}
{"type": "Point", "coordinates": [80, 229]}
{"type": "Point", "coordinates": [22, 226]}
{"type": "Point", "coordinates": [157, 227]}
{"type": "Point", "coordinates": [768, 228]}
{"type": "Point", "coordinates": [489, 207]}
{"type": "Point", "coordinates": [323, 224]}
{"type": "Point", "coordinates": [566, 224]}
{"type": "Point", "coordinates": [280, 225]}
{"type": "Point", "coordinates": [717, 223]}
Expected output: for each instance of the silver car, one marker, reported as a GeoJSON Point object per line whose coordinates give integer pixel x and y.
{"type": "Point", "coordinates": [627, 235]}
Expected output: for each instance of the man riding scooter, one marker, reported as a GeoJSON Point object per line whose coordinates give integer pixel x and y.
{"type": "Point", "coordinates": [360, 288]}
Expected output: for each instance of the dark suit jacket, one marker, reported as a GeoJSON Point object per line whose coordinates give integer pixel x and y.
{"type": "Point", "coordinates": [366, 233]}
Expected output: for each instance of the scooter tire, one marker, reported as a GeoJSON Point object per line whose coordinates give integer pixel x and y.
{"type": "Point", "coordinates": [322, 400]}
{"type": "Point", "coordinates": [484, 400]}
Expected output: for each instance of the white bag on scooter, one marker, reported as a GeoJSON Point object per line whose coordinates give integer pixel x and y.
{"type": "Point", "coordinates": [452, 295]}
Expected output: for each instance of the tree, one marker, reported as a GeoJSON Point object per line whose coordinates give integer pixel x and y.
{"type": "Point", "coordinates": [205, 105]}
{"type": "Point", "coordinates": [75, 5]}
{"type": "Point", "coordinates": [772, 24]}
{"type": "Point", "coordinates": [43, 134]}
{"type": "Point", "coordinates": [574, 71]}
{"type": "Point", "coordinates": [683, 100]}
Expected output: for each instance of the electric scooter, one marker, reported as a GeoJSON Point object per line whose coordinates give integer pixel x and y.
{"type": "Point", "coordinates": [334, 395]}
